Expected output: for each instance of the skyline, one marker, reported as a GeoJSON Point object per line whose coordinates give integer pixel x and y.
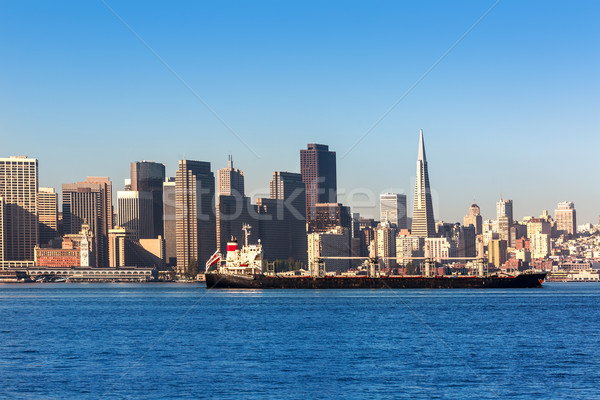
{"type": "Point", "coordinates": [509, 112]}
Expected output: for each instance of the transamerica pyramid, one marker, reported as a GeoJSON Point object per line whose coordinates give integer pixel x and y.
{"type": "Point", "coordinates": [423, 224]}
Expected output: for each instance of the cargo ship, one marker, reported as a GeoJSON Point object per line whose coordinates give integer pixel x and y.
{"type": "Point", "coordinates": [243, 269]}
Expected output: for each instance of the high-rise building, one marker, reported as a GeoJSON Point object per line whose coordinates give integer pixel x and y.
{"type": "Point", "coordinates": [497, 252]}
{"type": "Point", "coordinates": [148, 176]}
{"type": "Point", "coordinates": [18, 189]}
{"type": "Point", "coordinates": [233, 212]}
{"type": "Point", "coordinates": [90, 202]}
{"type": "Point", "coordinates": [440, 248]}
{"type": "Point", "coordinates": [540, 245]}
{"type": "Point", "coordinates": [230, 180]}
{"type": "Point", "coordinates": [318, 168]}
{"type": "Point", "coordinates": [423, 224]}
{"type": "Point", "coordinates": [135, 213]}
{"type": "Point", "coordinates": [566, 221]}
{"type": "Point", "coordinates": [47, 214]}
{"type": "Point", "coordinates": [273, 229]}
{"type": "Point", "coordinates": [474, 218]}
{"type": "Point", "coordinates": [195, 214]}
{"type": "Point", "coordinates": [328, 216]}
{"type": "Point", "coordinates": [392, 207]}
{"type": "Point", "coordinates": [385, 243]}
{"type": "Point", "coordinates": [289, 188]}
{"type": "Point", "coordinates": [169, 224]}
{"type": "Point", "coordinates": [504, 208]}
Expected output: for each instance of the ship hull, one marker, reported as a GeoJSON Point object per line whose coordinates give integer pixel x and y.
{"type": "Point", "coordinates": [226, 281]}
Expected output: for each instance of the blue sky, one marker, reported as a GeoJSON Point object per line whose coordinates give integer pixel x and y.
{"type": "Point", "coordinates": [512, 110]}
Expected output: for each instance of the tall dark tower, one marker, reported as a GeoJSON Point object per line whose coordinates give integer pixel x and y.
{"type": "Point", "coordinates": [317, 165]}
{"type": "Point", "coordinates": [148, 176]}
{"type": "Point", "coordinates": [423, 224]}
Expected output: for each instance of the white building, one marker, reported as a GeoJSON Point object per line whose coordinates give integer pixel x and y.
{"type": "Point", "coordinates": [566, 221]}
{"type": "Point", "coordinates": [540, 245]}
{"type": "Point", "coordinates": [385, 243]}
{"type": "Point", "coordinates": [135, 213]}
{"type": "Point", "coordinates": [440, 248]}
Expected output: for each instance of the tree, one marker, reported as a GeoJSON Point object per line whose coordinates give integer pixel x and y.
{"type": "Point", "coordinates": [410, 268]}
{"type": "Point", "coordinates": [192, 268]}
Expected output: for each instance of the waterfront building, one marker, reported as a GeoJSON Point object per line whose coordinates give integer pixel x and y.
{"type": "Point", "coordinates": [18, 190]}
{"type": "Point", "coordinates": [135, 212]}
{"type": "Point", "coordinates": [230, 180]}
{"type": "Point", "coordinates": [69, 255]}
{"type": "Point", "coordinates": [566, 221]}
{"type": "Point", "coordinates": [392, 209]}
{"type": "Point", "coordinates": [423, 224]}
{"type": "Point", "coordinates": [497, 252]}
{"type": "Point", "coordinates": [169, 224]}
{"type": "Point", "coordinates": [289, 188]}
{"type": "Point", "coordinates": [474, 218]}
{"type": "Point", "coordinates": [148, 176]}
{"type": "Point", "coordinates": [89, 202]}
{"type": "Point", "coordinates": [195, 214]}
{"type": "Point", "coordinates": [318, 169]}
{"type": "Point", "coordinates": [47, 205]}
{"type": "Point", "coordinates": [328, 216]}
{"type": "Point", "coordinates": [504, 208]}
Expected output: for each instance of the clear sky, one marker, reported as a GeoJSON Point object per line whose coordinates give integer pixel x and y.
{"type": "Point", "coordinates": [510, 108]}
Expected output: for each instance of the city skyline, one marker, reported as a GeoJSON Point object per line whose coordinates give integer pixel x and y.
{"type": "Point", "coordinates": [489, 105]}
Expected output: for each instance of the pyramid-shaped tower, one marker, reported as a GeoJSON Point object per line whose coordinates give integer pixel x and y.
{"type": "Point", "coordinates": [423, 224]}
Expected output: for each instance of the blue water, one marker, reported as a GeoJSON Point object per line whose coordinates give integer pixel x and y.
{"type": "Point", "coordinates": [160, 341]}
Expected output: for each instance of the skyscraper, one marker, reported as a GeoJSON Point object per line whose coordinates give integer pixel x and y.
{"type": "Point", "coordinates": [148, 176]}
{"type": "Point", "coordinates": [423, 224]}
{"type": "Point", "coordinates": [230, 180]}
{"type": "Point", "coordinates": [474, 218]}
{"type": "Point", "coordinates": [289, 188]}
{"type": "Point", "coordinates": [318, 168]}
{"type": "Point", "coordinates": [195, 213]}
{"type": "Point", "coordinates": [135, 213]}
{"type": "Point", "coordinates": [392, 208]}
{"type": "Point", "coordinates": [504, 208]}
{"type": "Point", "coordinates": [566, 220]}
{"type": "Point", "coordinates": [18, 189]}
{"type": "Point", "coordinates": [89, 202]}
{"type": "Point", "coordinates": [169, 224]}
{"type": "Point", "coordinates": [47, 214]}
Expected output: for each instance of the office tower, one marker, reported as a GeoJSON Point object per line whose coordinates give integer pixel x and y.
{"type": "Point", "coordinates": [318, 168]}
{"type": "Point", "coordinates": [392, 208]}
{"type": "Point", "coordinates": [18, 189]}
{"type": "Point", "coordinates": [230, 180]}
{"type": "Point", "coordinates": [232, 213]}
{"type": "Point", "coordinates": [385, 243]}
{"type": "Point", "coordinates": [89, 202]}
{"type": "Point", "coordinates": [2, 229]}
{"type": "Point", "coordinates": [289, 188]}
{"type": "Point", "coordinates": [408, 246]}
{"type": "Point", "coordinates": [505, 208]}
{"type": "Point", "coordinates": [148, 176]}
{"type": "Point", "coordinates": [566, 222]}
{"type": "Point", "coordinates": [273, 229]}
{"type": "Point", "coordinates": [47, 214]}
{"type": "Point", "coordinates": [497, 252]}
{"type": "Point", "coordinates": [538, 225]}
{"type": "Point", "coordinates": [135, 213]}
{"type": "Point", "coordinates": [423, 224]}
{"type": "Point", "coordinates": [504, 224]}
{"type": "Point", "coordinates": [474, 218]}
{"type": "Point", "coordinates": [195, 214]}
{"type": "Point", "coordinates": [169, 224]}
{"type": "Point", "coordinates": [328, 216]}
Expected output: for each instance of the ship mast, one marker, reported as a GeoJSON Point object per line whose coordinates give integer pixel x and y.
{"type": "Point", "coordinates": [246, 228]}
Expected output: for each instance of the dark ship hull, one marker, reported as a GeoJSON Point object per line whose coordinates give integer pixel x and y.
{"type": "Point", "coordinates": [227, 281]}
